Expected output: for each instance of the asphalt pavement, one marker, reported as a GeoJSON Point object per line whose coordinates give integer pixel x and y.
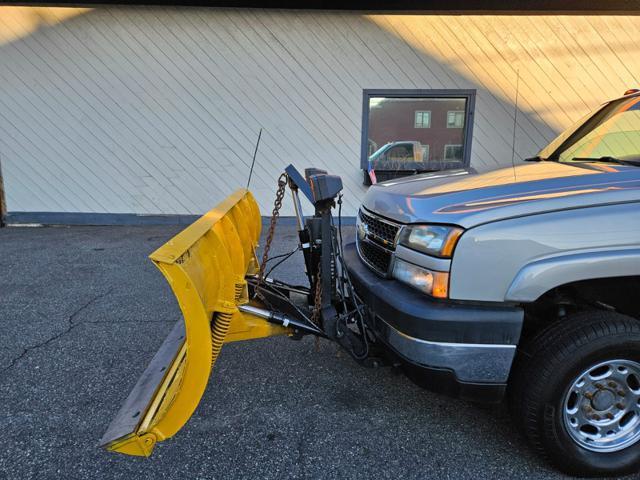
{"type": "Point", "coordinates": [82, 311]}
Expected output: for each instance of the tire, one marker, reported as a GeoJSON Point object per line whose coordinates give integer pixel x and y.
{"type": "Point", "coordinates": [366, 180]}
{"type": "Point", "coordinates": [560, 361]}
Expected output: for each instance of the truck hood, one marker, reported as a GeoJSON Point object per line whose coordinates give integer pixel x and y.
{"type": "Point", "coordinates": [463, 198]}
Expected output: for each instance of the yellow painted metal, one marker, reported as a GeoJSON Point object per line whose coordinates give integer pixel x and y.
{"type": "Point", "coordinates": [205, 265]}
{"type": "Point", "coordinates": [248, 327]}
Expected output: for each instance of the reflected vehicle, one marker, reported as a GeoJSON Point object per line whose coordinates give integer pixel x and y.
{"type": "Point", "coordinates": [403, 158]}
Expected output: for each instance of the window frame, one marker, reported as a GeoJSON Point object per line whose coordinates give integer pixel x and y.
{"type": "Point", "coordinates": [415, 115]}
{"type": "Point", "coordinates": [468, 94]}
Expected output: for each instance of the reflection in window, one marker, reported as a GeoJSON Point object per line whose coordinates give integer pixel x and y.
{"type": "Point", "coordinates": [413, 134]}
{"type": "Point", "coordinates": [455, 119]}
{"type": "Point", "coordinates": [425, 152]}
{"type": "Point", "coordinates": [401, 153]}
{"type": "Point", "coordinates": [453, 152]}
{"type": "Point", "coordinates": [423, 119]}
{"type": "Point", "coordinates": [371, 147]}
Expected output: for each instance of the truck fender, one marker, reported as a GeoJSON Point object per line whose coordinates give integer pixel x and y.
{"type": "Point", "coordinates": [540, 276]}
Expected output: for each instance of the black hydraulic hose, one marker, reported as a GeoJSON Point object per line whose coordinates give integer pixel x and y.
{"type": "Point", "coordinates": [285, 298]}
{"type": "Point", "coordinates": [286, 257]}
{"type": "Point", "coordinates": [281, 255]}
{"type": "Point", "coordinates": [356, 300]}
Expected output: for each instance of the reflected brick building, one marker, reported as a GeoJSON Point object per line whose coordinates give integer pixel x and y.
{"type": "Point", "coordinates": [433, 122]}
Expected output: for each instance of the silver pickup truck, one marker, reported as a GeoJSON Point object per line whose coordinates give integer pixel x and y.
{"type": "Point", "coordinates": [525, 285]}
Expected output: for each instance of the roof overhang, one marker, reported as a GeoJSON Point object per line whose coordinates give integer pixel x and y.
{"type": "Point", "coordinates": [400, 6]}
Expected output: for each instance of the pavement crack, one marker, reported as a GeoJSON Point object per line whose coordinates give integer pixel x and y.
{"type": "Point", "coordinates": [87, 305]}
{"type": "Point", "coordinates": [71, 325]}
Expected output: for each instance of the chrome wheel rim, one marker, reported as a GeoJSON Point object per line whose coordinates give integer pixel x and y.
{"type": "Point", "coordinates": [601, 408]}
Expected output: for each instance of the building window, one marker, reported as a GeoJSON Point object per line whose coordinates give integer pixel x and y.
{"type": "Point", "coordinates": [411, 131]}
{"type": "Point", "coordinates": [455, 119]}
{"type": "Point", "coordinates": [423, 119]}
{"type": "Point", "coordinates": [453, 152]}
{"type": "Point", "coordinates": [425, 152]}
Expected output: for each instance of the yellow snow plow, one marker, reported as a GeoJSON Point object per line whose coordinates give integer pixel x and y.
{"type": "Point", "coordinates": [225, 296]}
{"type": "Point", "coordinates": [205, 265]}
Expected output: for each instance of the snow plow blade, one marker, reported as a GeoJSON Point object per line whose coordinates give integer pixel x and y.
{"type": "Point", "coordinates": [206, 265]}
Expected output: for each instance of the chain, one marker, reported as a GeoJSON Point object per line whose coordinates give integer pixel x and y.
{"type": "Point", "coordinates": [315, 315]}
{"type": "Point", "coordinates": [275, 214]}
{"type": "Point", "coordinates": [277, 205]}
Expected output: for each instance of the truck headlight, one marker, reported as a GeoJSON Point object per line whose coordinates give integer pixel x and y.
{"type": "Point", "coordinates": [430, 282]}
{"type": "Point", "coordinates": [436, 240]}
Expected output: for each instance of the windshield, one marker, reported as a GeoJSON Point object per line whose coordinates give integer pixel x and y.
{"type": "Point", "coordinates": [375, 154]}
{"type": "Point", "coordinates": [613, 131]}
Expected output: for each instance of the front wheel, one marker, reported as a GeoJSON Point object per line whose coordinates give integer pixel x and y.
{"type": "Point", "coordinates": [575, 393]}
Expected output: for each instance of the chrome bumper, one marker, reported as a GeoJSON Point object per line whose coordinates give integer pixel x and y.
{"type": "Point", "coordinates": [470, 362]}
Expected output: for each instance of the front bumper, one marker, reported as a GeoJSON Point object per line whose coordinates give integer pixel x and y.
{"type": "Point", "coordinates": [461, 349]}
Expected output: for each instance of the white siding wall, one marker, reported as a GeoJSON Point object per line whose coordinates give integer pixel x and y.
{"type": "Point", "coordinates": [156, 110]}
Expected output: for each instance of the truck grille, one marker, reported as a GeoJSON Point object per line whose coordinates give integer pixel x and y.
{"type": "Point", "coordinates": [376, 242]}
{"type": "Point", "coordinates": [380, 230]}
{"type": "Point", "coordinates": [376, 257]}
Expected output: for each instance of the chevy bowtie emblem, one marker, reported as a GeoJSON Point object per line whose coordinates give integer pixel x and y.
{"type": "Point", "coordinates": [362, 231]}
